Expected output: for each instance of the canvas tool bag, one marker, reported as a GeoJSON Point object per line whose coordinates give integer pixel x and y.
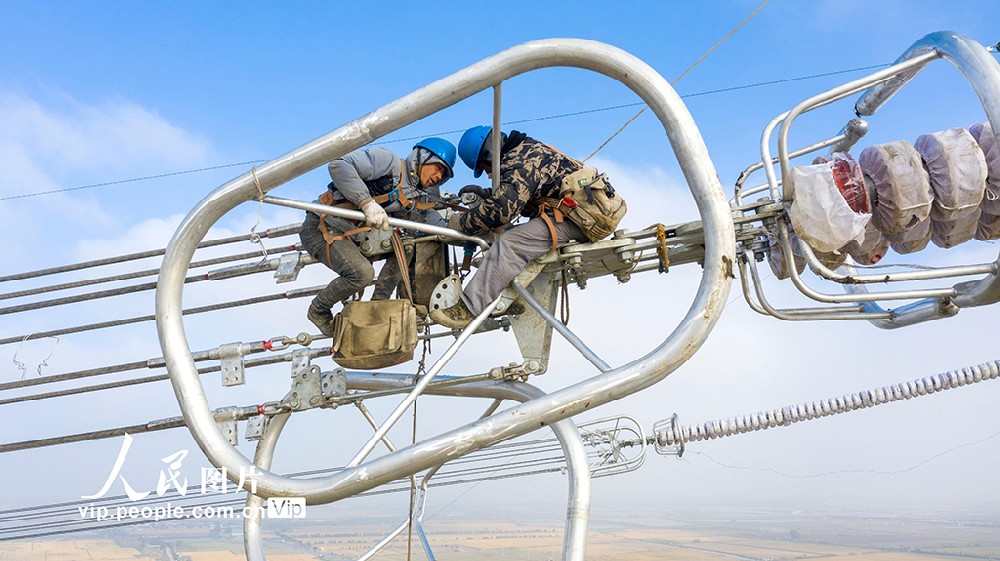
{"type": "Point", "coordinates": [589, 201]}
{"type": "Point", "coordinates": [379, 333]}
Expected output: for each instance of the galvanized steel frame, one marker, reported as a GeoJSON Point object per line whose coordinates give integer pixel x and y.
{"type": "Point", "coordinates": [677, 347]}
{"type": "Point", "coordinates": [578, 472]}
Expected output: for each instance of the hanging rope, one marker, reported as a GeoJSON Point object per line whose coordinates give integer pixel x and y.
{"type": "Point", "coordinates": [679, 78]}
{"type": "Point", "coordinates": [421, 370]}
{"type": "Point", "coordinates": [564, 298]}
{"type": "Point", "coordinates": [45, 361]}
{"type": "Point", "coordinates": [254, 237]}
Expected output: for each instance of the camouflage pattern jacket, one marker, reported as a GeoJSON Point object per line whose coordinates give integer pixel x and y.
{"type": "Point", "coordinates": [529, 171]}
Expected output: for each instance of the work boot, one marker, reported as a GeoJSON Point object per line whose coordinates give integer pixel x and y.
{"type": "Point", "coordinates": [321, 318]}
{"type": "Point", "coordinates": [516, 308]}
{"type": "Point", "coordinates": [455, 317]}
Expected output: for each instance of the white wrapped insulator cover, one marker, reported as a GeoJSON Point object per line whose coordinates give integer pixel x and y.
{"type": "Point", "coordinates": [989, 227]}
{"type": "Point", "coordinates": [776, 258]}
{"type": "Point", "coordinates": [820, 214]}
{"type": "Point", "coordinates": [912, 240]}
{"type": "Point", "coordinates": [871, 250]}
{"type": "Point", "coordinates": [957, 169]}
{"type": "Point", "coordinates": [948, 234]}
{"type": "Point", "coordinates": [983, 134]}
{"type": "Point", "coordinates": [901, 183]}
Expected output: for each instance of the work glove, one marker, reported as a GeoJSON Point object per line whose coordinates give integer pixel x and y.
{"type": "Point", "coordinates": [454, 223]}
{"type": "Point", "coordinates": [375, 215]}
{"type": "Point", "coordinates": [477, 190]}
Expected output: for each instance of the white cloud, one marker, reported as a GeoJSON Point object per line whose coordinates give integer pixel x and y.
{"type": "Point", "coordinates": [58, 143]}
{"type": "Point", "coordinates": [114, 135]}
{"type": "Point", "coordinates": [148, 234]}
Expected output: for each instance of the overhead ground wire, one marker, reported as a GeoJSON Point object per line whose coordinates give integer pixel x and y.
{"type": "Point", "coordinates": [458, 131]}
{"type": "Point", "coordinates": [681, 77]}
{"type": "Point", "coordinates": [146, 178]}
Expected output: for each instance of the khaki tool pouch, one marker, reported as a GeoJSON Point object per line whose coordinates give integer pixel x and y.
{"type": "Point", "coordinates": [379, 333]}
{"type": "Point", "coordinates": [376, 334]}
{"type": "Point", "coordinates": [589, 201]}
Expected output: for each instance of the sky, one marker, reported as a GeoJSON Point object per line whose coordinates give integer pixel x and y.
{"type": "Point", "coordinates": [104, 94]}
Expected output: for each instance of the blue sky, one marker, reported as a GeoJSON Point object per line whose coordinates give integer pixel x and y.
{"type": "Point", "coordinates": [102, 92]}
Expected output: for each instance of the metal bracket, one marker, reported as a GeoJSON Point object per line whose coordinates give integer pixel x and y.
{"type": "Point", "coordinates": [231, 359]}
{"type": "Point", "coordinates": [514, 372]}
{"type": "Point", "coordinates": [289, 265]}
{"type": "Point", "coordinates": [375, 242]}
{"type": "Point", "coordinates": [225, 418]}
{"type": "Point", "coordinates": [256, 427]}
{"type": "Point", "coordinates": [447, 293]}
{"type": "Point", "coordinates": [334, 384]}
{"type": "Point", "coordinates": [306, 392]}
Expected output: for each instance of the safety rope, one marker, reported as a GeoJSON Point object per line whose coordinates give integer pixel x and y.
{"type": "Point", "coordinates": [679, 78]}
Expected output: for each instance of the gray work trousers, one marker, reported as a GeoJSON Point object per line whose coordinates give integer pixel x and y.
{"type": "Point", "coordinates": [354, 270]}
{"type": "Point", "coordinates": [509, 255]}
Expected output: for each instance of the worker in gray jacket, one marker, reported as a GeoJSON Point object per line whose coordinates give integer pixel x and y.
{"type": "Point", "coordinates": [379, 183]}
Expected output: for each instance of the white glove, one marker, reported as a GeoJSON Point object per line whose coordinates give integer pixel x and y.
{"type": "Point", "coordinates": [375, 215]}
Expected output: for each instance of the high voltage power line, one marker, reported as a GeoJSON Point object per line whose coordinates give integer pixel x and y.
{"type": "Point", "coordinates": [445, 133]}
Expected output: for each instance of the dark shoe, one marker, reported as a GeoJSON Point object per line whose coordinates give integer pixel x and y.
{"type": "Point", "coordinates": [455, 317]}
{"type": "Point", "coordinates": [516, 308]}
{"type": "Point", "coordinates": [321, 318]}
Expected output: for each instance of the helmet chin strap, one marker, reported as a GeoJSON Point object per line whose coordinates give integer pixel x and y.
{"type": "Point", "coordinates": [423, 156]}
{"type": "Point", "coordinates": [420, 164]}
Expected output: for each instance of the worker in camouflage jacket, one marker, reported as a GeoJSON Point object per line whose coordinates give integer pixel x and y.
{"type": "Point", "coordinates": [529, 171]}
{"type": "Point", "coordinates": [380, 184]}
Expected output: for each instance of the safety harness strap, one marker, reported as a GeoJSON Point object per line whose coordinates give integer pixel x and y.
{"type": "Point", "coordinates": [544, 206]}
{"type": "Point", "coordinates": [330, 237]}
{"type": "Point", "coordinates": [397, 248]}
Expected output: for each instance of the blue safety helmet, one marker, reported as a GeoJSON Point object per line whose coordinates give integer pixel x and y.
{"type": "Point", "coordinates": [471, 146]}
{"type": "Point", "coordinates": [441, 148]}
